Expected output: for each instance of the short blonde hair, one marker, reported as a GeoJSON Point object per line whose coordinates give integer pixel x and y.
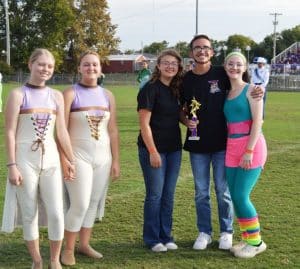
{"type": "Point", "coordinates": [38, 52]}
{"type": "Point", "coordinates": [88, 52]}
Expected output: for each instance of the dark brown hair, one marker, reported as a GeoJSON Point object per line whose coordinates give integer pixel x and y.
{"type": "Point", "coordinates": [175, 84]}
{"type": "Point", "coordinates": [198, 37]}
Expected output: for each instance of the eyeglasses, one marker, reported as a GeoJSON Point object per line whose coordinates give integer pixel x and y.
{"type": "Point", "coordinates": [172, 64]}
{"type": "Point", "coordinates": [232, 65]}
{"type": "Point", "coordinates": [204, 48]}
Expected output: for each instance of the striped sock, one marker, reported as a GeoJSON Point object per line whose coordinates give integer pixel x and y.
{"type": "Point", "coordinates": [250, 229]}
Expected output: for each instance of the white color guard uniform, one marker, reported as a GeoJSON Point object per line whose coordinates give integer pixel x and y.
{"type": "Point", "coordinates": [38, 161]}
{"type": "Point", "coordinates": [90, 140]}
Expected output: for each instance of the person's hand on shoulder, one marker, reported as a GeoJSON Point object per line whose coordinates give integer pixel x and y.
{"type": "Point", "coordinates": [257, 92]}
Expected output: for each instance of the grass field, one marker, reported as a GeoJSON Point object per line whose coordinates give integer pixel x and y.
{"type": "Point", "coordinates": [118, 236]}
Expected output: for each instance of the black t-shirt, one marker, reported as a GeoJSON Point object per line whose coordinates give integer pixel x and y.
{"type": "Point", "coordinates": [209, 90]}
{"type": "Point", "coordinates": [164, 122]}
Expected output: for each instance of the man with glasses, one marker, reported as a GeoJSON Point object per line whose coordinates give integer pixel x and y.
{"type": "Point", "coordinates": [207, 86]}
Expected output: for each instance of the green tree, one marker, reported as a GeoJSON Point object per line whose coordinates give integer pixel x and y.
{"type": "Point", "coordinates": [92, 29]}
{"type": "Point", "coordinates": [183, 49]}
{"type": "Point", "coordinates": [156, 47]}
{"type": "Point", "coordinates": [219, 52]}
{"type": "Point", "coordinates": [2, 27]}
{"type": "Point", "coordinates": [129, 51]}
{"type": "Point", "coordinates": [38, 23]}
{"type": "Point", "coordinates": [284, 40]}
{"type": "Point", "coordinates": [288, 38]}
{"type": "Point", "coordinates": [239, 42]}
{"type": "Point", "coordinates": [265, 48]}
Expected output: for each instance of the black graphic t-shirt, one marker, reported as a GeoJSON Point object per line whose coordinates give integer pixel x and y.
{"type": "Point", "coordinates": [210, 91]}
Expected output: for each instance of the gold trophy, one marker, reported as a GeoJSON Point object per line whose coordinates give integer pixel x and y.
{"type": "Point", "coordinates": [195, 105]}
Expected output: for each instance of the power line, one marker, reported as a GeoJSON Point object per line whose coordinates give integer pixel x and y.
{"type": "Point", "coordinates": [196, 17]}
{"type": "Point", "coordinates": [275, 22]}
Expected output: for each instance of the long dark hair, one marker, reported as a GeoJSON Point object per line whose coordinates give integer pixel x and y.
{"type": "Point", "coordinates": [176, 81]}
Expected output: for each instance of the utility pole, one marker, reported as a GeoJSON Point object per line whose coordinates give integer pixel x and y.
{"type": "Point", "coordinates": [275, 22]}
{"type": "Point", "coordinates": [5, 4]}
{"type": "Point", "coordinates": [196, 17]}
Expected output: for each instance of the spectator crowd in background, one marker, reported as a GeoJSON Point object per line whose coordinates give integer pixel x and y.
{"type": "Point", "coordinates": [288, 63]}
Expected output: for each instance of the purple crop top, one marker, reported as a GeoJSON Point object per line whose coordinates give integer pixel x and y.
{"type": "Point", "coordinates": [89, 98]}
{"type": "Point", "coordinates": [38, 98]}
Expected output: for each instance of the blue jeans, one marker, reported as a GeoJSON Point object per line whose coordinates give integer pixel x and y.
{"type": "Point", "coordinates": [160, 186]}
{"type": "Point", "coordinates": [201, 171]}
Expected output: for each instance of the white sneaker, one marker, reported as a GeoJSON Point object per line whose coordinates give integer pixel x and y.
{"type": "Point", "coordinates": [225, 241]}
{"type": "Point", "coordinates": [171, 246]}
{"type": "Point", "coordinates": [249, 251]}
{"type": "Point", "coordinates": [238, 246]}
{"type": "Point", "coordinates": [159, 248]}
{"type": "Point", "coordinates": [202, 241]}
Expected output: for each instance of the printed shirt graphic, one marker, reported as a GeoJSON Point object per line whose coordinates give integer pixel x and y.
{"type": "Point", "coordinates": [214, 87]}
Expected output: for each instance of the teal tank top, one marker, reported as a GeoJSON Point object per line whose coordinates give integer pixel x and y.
{"type": "Point", "coordinates": [237, 110]}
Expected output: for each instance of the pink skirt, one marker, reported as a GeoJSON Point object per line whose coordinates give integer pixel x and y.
{"type": "Point", "coordinates": [236, 148]}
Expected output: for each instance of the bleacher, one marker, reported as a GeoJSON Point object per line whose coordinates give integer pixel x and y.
{"type": "Point", "coordinates": [288, 61]}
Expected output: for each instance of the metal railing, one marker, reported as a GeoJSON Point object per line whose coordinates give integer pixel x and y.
{"type": "Point", "coordinates": [282, 81]}
{"type": "Point", "coordinates": [111, 79]}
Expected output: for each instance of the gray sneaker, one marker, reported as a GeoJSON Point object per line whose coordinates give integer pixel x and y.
{"type": "Point", "coordinates": [159, 248]}
{"type": "Point", "coordinates": [238, 246]}
{"type": "Point", "coordinates": [249, 251]}
{"type": "Point", "coordinates": [225, 241]}
{"type": "Point", "coordinates": [171, 246]}
{"type": "Point", "coordinates": [202, 241]}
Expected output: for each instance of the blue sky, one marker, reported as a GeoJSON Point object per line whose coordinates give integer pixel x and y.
{"type": "Point", "coordinates": [141, 22]}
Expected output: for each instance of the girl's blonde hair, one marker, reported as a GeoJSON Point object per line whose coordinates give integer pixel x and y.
{"type": "Point", "coordinates": [38, 52]}
{"type": "Point", "coordinates": [88, 52]}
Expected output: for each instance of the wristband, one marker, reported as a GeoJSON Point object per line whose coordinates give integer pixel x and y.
{"type": "Point", "coordinates": [249, 151]}
{"type": "Point", "coordinates": [10, 164]}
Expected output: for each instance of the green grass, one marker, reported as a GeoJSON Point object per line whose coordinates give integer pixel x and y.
{"type": "Point", "coordinates": [118, 236]}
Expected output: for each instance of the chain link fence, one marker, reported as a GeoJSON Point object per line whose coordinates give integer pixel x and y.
{"type": "Point", "coordinates": [110, 79]}
{"type": "Point", "coordinates": [288, 82]}
{"type": "Point", "coordinates": [284, 83]}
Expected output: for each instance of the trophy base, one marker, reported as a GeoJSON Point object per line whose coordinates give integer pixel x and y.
{"type": "Point", "coordinates": [194, 138]}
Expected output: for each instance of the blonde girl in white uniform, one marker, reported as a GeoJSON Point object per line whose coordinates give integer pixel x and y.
{"type": "Point", "coordinates": [32, 113]}
{"type": "Point", "coordinates": [90, 112]}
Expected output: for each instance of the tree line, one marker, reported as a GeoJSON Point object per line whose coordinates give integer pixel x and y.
{"type": "Point", "coordinates": [247, 45]}
{"type": "Point", "coordinates": [65, 27]}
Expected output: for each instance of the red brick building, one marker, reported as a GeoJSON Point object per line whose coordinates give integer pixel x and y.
{"type": "Point", "coordinates": [123, 63]}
